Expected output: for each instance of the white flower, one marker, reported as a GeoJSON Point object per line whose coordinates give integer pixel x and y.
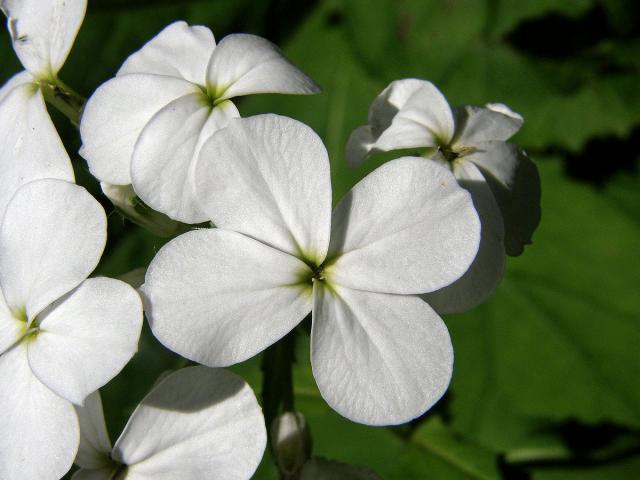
{"type": "Point", "coordinates": [42, 33]}
{"type": "Point", "coordinates": [220, 296]}
{"type": "Point", "coordinates": [196, 423]}
{"type": "Point", "coordinates": [61, 336]}
{"type": "Point", "coordinates": [144, 126]}
{"type": "Point", "coordinates": [471, 141]}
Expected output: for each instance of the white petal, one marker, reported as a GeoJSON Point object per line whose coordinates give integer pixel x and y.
{"type": "Point", "coordinates": [483, 124]}
{"type": "Point", "coordinates": [39, 429]}
{"type": "Point", "coordinates": [502, 108]}
{"type": "Point", "coordinates": [485, 273]}
{"type": "Point", "coordinates": [51, 238]}
{"type": "Point", "coordinates": [407, 227]}
{"type": "Point", "coordinates": [268, 177]}
{"type": "Point", "coordinates": [95, 444]}
{"type": "Point", "coordinates": [179, 50]}
{"type": "Point", "coordinates": [196, 423]}
{"type": "Point", "coordinates": [43, 32]}
{"type": "Point", "coordinates": [161, 162]}
{"type": "Point", "coordinates": [115, 115]}
{"type": "Point", "coordinates": [16, 80]}
{"type": "Point", "coordinates": [87, 337]}
{"type": "Point", "coordinates": [515, 182]}
{"type": "Point", "coordinates": [409, 113]}
{"type": "Point", "coordinates": [30, 147]}
{"type": "Point", "coordinates": [378, 359]}
{"type": "Point", "coordinates": [359, 145]}
{"type": "Point", "coordinates": [243, 64]}
{"type": "Point", "coordinates": [11, 328]}
{"type": "Point", "coordinates": [218, 297]}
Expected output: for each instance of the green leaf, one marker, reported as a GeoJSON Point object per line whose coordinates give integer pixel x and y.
{"type": "Point", "coordinates": [559, 338]}
{"type": "Point", "coordinates": [628, 469]}
{"type": "Point", "coordinates": [461, 46]}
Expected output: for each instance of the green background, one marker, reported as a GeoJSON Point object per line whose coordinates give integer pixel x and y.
{"type": "Point", "coordinates": [547, 373]}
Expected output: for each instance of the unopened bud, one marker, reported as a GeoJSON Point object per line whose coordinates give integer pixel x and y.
{"type": "Point", "coordinates": [126, 201]}
{"type": "Point", "coordinates": [291, 440]}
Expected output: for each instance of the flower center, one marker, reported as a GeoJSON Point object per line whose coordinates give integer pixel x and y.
{"type": "Point", "coordinates": [317, 274]}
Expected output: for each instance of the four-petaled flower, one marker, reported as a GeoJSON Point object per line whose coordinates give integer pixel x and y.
{"type": "Point", "coordinates": [61, 336]}
{"type": "Point", "coordinates": [145, 126]}
{"type": "Point", "coordinates": [379, 354]}
{"type": "Point", "coordinates": [195, 423]}
{"type": "Point", "coordinates": [471, 142]}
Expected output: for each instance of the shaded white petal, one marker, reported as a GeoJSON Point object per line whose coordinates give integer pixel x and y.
{"type": "Point", "coordinates": [268, 177]}
{"type": "Point", "coordinates": [243, 64]}
{"type": "Point", "coordinates": [407, 227]}
{"type": "Point", "coordinates": [51, 238]}
{"type": "Point", "coordinates": [515, 182]}
{"type": "Point", "coordinates": [30, 147]}
{"type": "Point", "coordinates": [196, 423]}
{"type": "Point", "coordinates": [161, 162]}
{"type": "Point", "coordinates": [95, 444]}
{"type": "Point", "coordinates": [87, 337]}
{"type": "Point", "coordinates": [478, 124]}
{"type": "Point", "coordinates": [485, 273]}
{"type": "Point", "coordinates": [18, 79]}
{"type": "Point", "coordinates": [115, 115]}
{"type": "Point", "coordinates": [408, 114]}
{"type": "Point", "coordinates": [101, 474]}
{"type": "Point", "coordinates": [39, 429]}
{"type": "Point", "coordinates": [359, 145]}
{"type": "Point", "coordinates": [378, 359]}
{"type": "Point", "coordinates": [43, 32]}
{"type": "Point", "coordinates": [11, 328]}
{"type": "Point", "coordinates": [179, 50]}
{"type": "Point", "coordinates": [218, 297]}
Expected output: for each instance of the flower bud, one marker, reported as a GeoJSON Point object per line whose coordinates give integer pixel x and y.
{"type": "Point", "coordinates": [126, 201]}
{"type": "Point", "coordinates": [291, 442]}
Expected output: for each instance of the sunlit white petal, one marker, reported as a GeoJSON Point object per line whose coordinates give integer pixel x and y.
{"type": "Point", "coordinates": [51, 238]}
{"type": "Point", "coordinates": [243, 64]}
{"type": "Point", "coordinates": [482, 124]}
{"type": "Point", "coordinates": [218, 297]}
{"type": "Point", "coordinates": [43, 32]}
{"type": "Point", "coordinates": [86, 338]}
{"type": "Point", "coordinates": [408, 227]}
{"type": "Point", "coordinates": [30, 147]}
{"type": "Point", "coordinates": [424, 120]}
{"type": "Point", "coordinates": [161, 163]}
{"type": "Point", "coordinates": [115, 115]}
{"type": "Point", "coordinates": [196, 423]}
{"type": "Point", "coordinates": [179, 50]}
{"type": "Point", "coordinates": [378, 359]}
{"type": "Point", "coordinates": [268, 177]}
{"type": "Point", "coordinates": [11, 328]}
{"type": "Point", "coordinates": [39, 429]}
{"type": "Point", "coordinates": [18, 79]}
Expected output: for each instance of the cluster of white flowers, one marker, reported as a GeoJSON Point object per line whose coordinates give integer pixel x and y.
{"type": "Point", "coordinates": [418, 237]}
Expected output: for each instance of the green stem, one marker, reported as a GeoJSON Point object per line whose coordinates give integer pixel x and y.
{"type": "Point", "coordinates": [64, 98]}
{"type": "Point", "coordinates": [277, 379]}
